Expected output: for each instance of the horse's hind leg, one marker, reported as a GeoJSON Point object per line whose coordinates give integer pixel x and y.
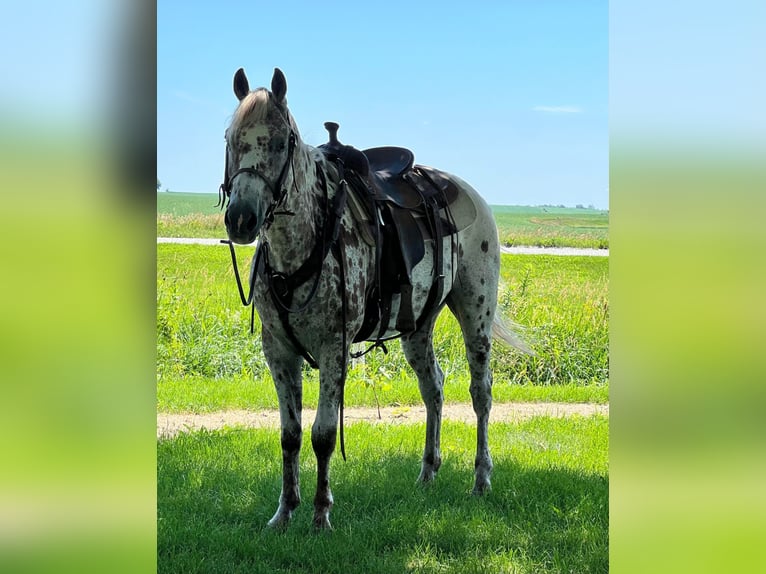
{"type": "Point", "coordinates": [286, 371]}
{"type": "Point", "coordinates": [419, 351]}
{"type": "Point", "coordinates": [473, 302]}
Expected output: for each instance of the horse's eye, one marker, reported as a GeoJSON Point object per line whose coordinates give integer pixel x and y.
{"type": "Point", "coordinates": [277, 145]}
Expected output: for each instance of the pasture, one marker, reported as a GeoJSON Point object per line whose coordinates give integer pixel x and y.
{"type": "Point", "coordinates": [195, 215]}
{"type": "Point", "coordinates": [548, 510]}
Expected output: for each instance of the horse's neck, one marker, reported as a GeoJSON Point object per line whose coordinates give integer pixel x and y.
{"type": "Point", "coordinates": [292, 237]}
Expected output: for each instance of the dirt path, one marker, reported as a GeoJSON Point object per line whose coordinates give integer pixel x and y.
{"type": "Point", "coordinates": [520, 250]}
{"type": "Point", "coordinates": [170, 424]}
{"type": "Point", "coordinates": [524, 250]}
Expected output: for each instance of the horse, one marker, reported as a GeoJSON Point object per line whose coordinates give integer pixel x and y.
{"type": "Point", "coordinates": [315, 274]}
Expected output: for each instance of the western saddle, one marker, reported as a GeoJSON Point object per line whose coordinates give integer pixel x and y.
{"type": "Point", "coordinates": [400, 205]}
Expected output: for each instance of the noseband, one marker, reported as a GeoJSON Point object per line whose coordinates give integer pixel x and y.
{"type": "Point", "coordinates": [278, 191]}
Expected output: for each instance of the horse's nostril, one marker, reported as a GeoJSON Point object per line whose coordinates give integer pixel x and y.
{"type": "Point", "coordinates": [252, 221]}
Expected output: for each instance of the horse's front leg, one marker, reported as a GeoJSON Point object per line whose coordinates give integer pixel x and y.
{"type": "Point", "coordinates": [285, 369]}
{"type": "Point", "coordinates": [324, 432]}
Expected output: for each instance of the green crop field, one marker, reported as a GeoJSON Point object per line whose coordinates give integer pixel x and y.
{"type": "Point", "coordinates": [552, 226]}
{"type": "Point", "coordinates": [195, 215]}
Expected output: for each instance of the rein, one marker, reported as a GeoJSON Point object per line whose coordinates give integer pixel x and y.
{"type": "Point", "coordinates": [249, 299]}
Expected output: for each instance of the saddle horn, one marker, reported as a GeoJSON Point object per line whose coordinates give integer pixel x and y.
{"type": "Point", "coordinates": [351, 157]}
{"type": "Point", "coordinates": [332, 129]}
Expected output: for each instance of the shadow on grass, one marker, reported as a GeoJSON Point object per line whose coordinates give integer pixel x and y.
{"type": "Point", "coordinates": [216, 491]}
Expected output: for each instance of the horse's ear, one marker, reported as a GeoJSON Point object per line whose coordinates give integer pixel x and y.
{"type": "Point", "coordinates": [241, 85]}
{"type": "Point", "coordinates": [279, 85]}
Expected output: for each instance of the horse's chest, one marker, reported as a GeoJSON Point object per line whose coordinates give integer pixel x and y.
{"type": "Point", "coordinates": [311, 313]}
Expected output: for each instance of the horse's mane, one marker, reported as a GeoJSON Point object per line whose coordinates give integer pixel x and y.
{"type": "Point", "coordinates": [254, 107]}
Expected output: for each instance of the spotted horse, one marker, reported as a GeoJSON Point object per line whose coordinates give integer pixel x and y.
{"type": "Point", "coordinates": [355, 246]}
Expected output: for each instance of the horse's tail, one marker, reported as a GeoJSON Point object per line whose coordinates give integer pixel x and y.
{"type": "Point", "coordinates": [509, 333]}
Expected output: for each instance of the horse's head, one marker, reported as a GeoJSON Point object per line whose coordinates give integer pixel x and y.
{"type": "Point", "coordinates": [259, 151]}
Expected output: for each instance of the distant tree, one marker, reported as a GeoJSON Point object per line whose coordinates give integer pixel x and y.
{"type": "Point", "coordinates": [158, 184]}
{"type": "Point", "coordinates": [579, 206]}
{"type": "Point", "coordinates": [591, 206]}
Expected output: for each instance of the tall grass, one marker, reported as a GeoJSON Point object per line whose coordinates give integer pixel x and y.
{"type": "Point", "coordinates": [206, 358]}
{"type": "Point", "coordinates": [563, 304]}
{"type": "Point", "coordinates": [547, 511]}
{"type": "Point", "coordinates": [191, 225]}
{"type": "Point", "coordinates": [201, 325]}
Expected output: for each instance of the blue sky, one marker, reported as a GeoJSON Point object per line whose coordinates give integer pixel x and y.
{"type": "Point", "coordinates": [511, 96]}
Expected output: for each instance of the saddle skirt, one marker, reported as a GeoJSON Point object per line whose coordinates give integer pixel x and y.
{"type": "Point", "coordinates": [405, 211]}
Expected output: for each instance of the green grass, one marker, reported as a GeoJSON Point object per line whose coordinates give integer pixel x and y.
{"type": "Point", "coordinates": [195, 215]}
{"type": "Point", "coordinates": [207, 360]}
{"type": "Point", "coordinates": [547, 512]}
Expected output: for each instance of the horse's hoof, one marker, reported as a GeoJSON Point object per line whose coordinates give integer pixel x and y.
{"type": "Point", "coordinates": [426, 477]}
{"type": "Point", "coordinates": [428, 472]}
{"type": "Point", "coordinates": [322, 522]}
{"type": "Point", "coordinates": [280, 520]}
{"type": "Point", "coordinates": [481, 487]}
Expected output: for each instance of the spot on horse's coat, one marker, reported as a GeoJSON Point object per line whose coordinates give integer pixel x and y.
{"type": "Point", "coordinates": [460, 249]}
{"type": "Point", "coordinates": [485, 246]}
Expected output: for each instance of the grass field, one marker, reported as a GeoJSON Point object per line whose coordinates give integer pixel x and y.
{"type": "Point", "coordinates": [547, 512]}
{"type": "Point", "coordinates": [207, 359]}
{"type": "Point", "coordinates": [195, 215]}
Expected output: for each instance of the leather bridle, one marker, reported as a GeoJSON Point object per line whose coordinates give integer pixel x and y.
{"type": "Point", "coordinates": [278, 190]}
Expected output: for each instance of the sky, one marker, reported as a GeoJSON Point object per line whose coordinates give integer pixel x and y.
{"type": "Point", "coordinates": [511, 96]}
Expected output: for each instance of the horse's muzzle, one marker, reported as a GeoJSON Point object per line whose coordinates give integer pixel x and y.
{"type": "Point", "coordinates": [242, 225]}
